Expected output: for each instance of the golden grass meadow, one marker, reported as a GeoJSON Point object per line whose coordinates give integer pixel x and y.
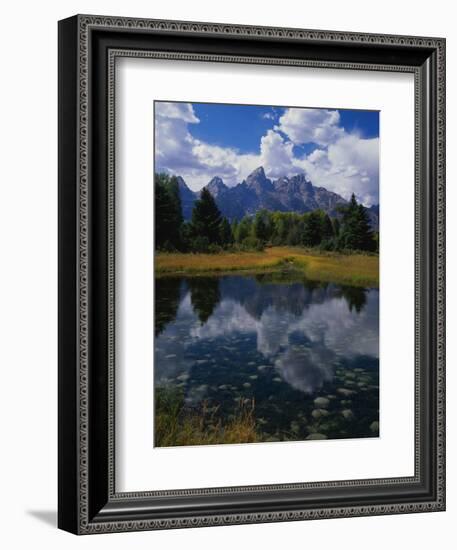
{"type": "Point", "coordinates": [360, 270]}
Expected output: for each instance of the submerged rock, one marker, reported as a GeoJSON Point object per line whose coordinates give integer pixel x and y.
{"type": "Point", "coordinates": [322, 402]}
{"type": "Point", "coordinates": [374, 426]}
{"type": "Point", "coordinates": [319, 413]}
{"type": "Point", "coordinates": [345, 392]}
{"type": "Point", "coordinates": [295, 426]}
{"type": "Point", "coordinates": [348, 414]}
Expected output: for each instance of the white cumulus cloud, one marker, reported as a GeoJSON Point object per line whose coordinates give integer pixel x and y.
{"type": "Point", "coordinates": [350, 165]}
{"type": "Point", "coordinates": [319, 126]}
{"type": "Point", "coordinates": [342, 162]}
{"type": "Point", "coordinates": [180, 111]}
{"type": "Point", "coordinates": [276, 155]}
{"type": "Point", "coordinates": [177, 151]}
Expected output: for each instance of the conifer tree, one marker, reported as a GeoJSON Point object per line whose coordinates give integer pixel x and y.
{"type": "Point", "coordinates": [243, 229]}
{"type": "Point", "coordinates": [326, 228]}
{"type": "Point", "coordinates": [355, 232]}
{"type": "Point", "coordinates": [168, 212]}
{"type": "Point", "coordinates": [225, 233]}
{"type": "Point", "coordinates": [206, 218]}
{"type": "Point", "coordinates": [260, 229]}
{"type": "Point", "coordinates": [366, 239]}
{"type": "Point", "coordinates": [336, 227]}
{"type": "Point", "coordinates": [312, 232]}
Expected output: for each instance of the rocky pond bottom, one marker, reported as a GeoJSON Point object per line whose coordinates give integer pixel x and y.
{"type": "Point", "coordinates": [262, 358]}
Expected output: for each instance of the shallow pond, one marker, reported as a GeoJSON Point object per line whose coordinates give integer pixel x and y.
{"type": "Point", "coordinates": [304, 355]}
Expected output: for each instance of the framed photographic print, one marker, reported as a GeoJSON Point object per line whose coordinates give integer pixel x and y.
{"type": "Point", "coordinates": [251, 274]}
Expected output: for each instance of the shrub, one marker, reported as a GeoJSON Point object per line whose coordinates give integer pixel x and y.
{"type": "Point", "coordinates": [214, 249]}
{"type": "Point", "coordinates": [168, 247]}
{"type": "Point", "coordinates": [252, 243]}
{"type": "Point", "coordinates": [328, 245]}
{"type": "Point", "coordinates": [200, 244]}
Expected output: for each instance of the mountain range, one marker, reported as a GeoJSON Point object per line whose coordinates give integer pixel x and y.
{"type": "Point", "coordinates": [256, 192]}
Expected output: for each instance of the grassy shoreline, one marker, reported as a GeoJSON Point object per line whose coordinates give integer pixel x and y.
{"type": "Point", "coordinates": [351, 269]}
{"type": "Point", "coordinates": [176, 426]}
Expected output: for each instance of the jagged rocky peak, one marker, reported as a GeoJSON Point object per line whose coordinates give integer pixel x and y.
{"type": "Point", "coordinates": [258, 181]}
{"type": "Point", "coordinates": [374, 208]}
{"type": "Point", "coordinates": [281, 183]}
{"type": "Point", "coordinates": [373, 214]}
{"type": "Point", "coordinates": [293, 183]}
{"type": "Point", "coordinates": [300, 178]}
{"type": "Point", "coordinates": [282, 179]}
{"type": "Point", "coordinates": [187, 196]}
{"type": "Point", "coordinates": [259, 172]}
{"type": "Point", "coordinates": [216, 186]}
{"type": "Point", "coordinates": [301, 184]}
{"type": "Point", "coordinates": [286, 194]}
{"type": "Point", "coordinates": [181, 183]}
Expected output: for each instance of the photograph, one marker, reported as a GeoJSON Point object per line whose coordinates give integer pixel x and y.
{"type": "Point", "coordinates": [251, 273]}
{"type": "Point", "coordinates": [226, 292]}
{"type": "Point", "coordinates": [266, 266]}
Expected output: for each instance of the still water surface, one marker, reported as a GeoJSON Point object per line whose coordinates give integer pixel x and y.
{"type": "Point", "coordinates": [307, 353]}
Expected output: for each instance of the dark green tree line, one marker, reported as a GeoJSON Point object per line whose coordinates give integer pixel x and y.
{"type": "Point", "coordinates": [168, 212]}
{"type": "Point", "coordinates": [355, 231]}
{"type": "Point", "coordinates": [206, 218]}
{"type": "Point", "coordinates": [209, 231]}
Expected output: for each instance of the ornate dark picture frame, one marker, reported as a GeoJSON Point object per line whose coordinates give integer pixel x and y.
{"type": "Point", "coordinates": [88, 47]}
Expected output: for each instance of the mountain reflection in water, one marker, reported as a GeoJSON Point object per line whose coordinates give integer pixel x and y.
{"type": "Point", "coordinates": [306, 352]}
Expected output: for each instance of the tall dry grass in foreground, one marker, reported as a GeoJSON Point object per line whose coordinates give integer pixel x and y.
{"type": "Point", "coordinates": [348, 269]}
{"type": "Point", "coordinates": [177, 426]}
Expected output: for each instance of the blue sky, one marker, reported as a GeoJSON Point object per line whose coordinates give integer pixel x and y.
{"type": "Point", "coordinates": [242, 126]}
{"type": "Point", "coordinates": [336, 148]}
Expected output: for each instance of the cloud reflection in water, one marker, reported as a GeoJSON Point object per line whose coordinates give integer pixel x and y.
{"type": "Point", "coordinates": [304, 331]}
